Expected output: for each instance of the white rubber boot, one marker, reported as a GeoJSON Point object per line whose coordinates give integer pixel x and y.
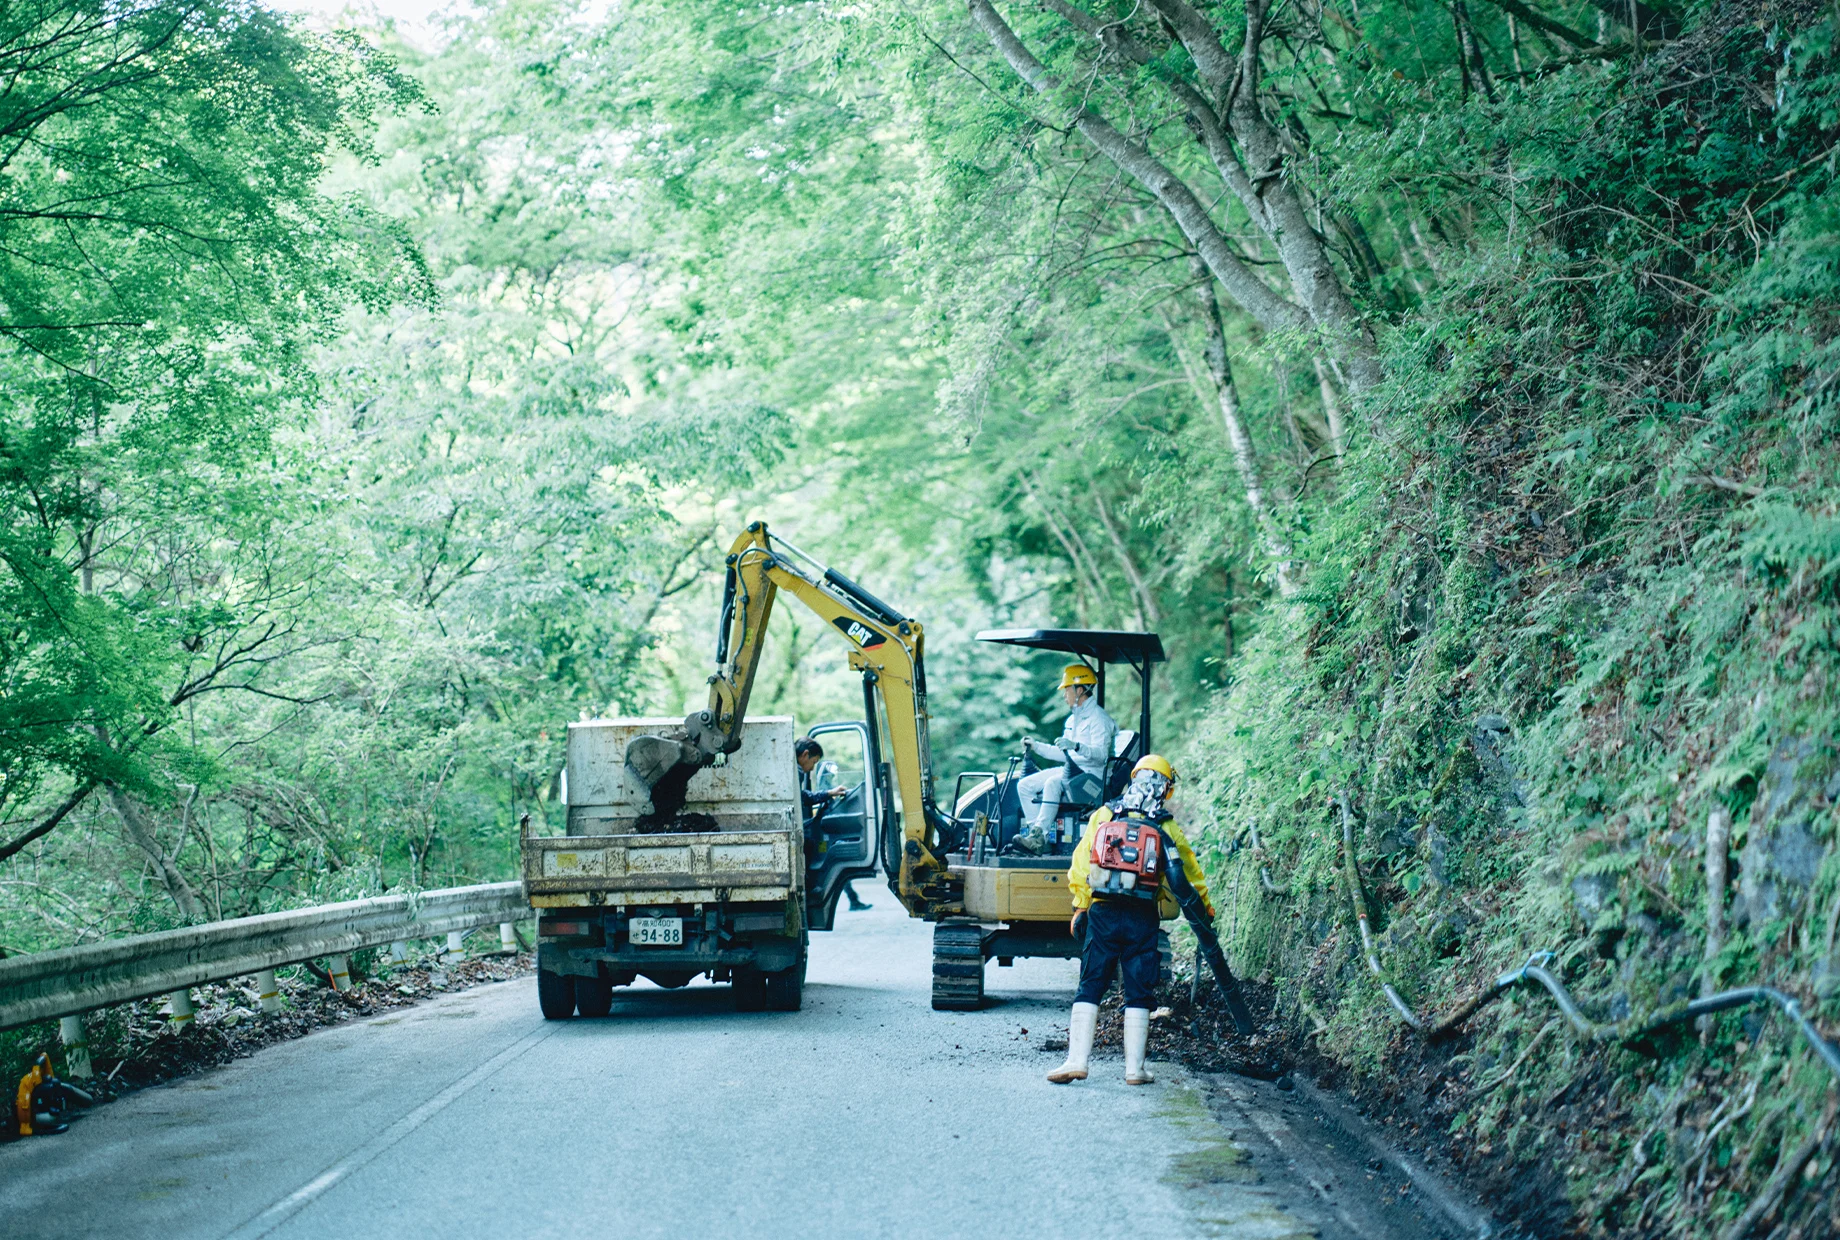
{"type": "Point", "coordinates": [1136, 1037]}
{"type": "Point", "coordinates": [1080, 1030]}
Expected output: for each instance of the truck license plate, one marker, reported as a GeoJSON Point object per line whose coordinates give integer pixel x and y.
{"type": "Point", "coordinates": [656, 932]}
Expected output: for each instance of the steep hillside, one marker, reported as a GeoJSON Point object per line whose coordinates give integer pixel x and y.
{"type": "Point", "coordinates": [1565, 662]}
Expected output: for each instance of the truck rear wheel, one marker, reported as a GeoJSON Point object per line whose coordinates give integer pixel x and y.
{"type": "Point", "coordinates": [786, 989]}
{"type": "Point", "coordinates": [958, 967]}
{"type": "Point", "coordinates": [750, 989]}
{"type": "Point", "coordinates": [593, 996]}
{"type": "Point", "coordinates": [555, 995]}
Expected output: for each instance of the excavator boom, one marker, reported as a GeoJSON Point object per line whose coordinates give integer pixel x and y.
{"type": "Point", "coordinates": [886, 648]}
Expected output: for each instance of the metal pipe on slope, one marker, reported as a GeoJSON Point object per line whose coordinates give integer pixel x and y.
{"type": "Point", "coordinates": [1627, 1032]}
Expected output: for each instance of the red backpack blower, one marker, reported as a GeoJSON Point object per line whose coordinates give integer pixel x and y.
{"type": "Point", "coordinates": [1127, 859]}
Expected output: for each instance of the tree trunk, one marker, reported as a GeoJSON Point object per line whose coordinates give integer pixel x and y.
{"type": "Point", "coordinates": [1227, 598]}
{"type": "Point", "coordinates": [1541, 23]}
{"type": "Point", "coordinates": [1649, 25]}
{"type": "Point", "coordinates": [142, 837]}
{"type": "Point", "coordinates": [1332, 407]}
{"type": "Point", "coordinates": [1247, 151]}
{"type": "Point", "coordinates": [1226, 399]}
{"type": "Point", "coordinates": [1146, 602]}
{"type": "Point", "coordinates": [1469, 52]}
{"type": "Point", "coordinates": [1255, 172]}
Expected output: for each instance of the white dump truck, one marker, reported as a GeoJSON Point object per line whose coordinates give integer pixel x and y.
{"type": "Point", "coordinates": [719, 890]}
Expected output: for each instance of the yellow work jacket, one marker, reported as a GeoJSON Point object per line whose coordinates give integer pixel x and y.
{"type": "Point", "coordinates": [1077, 881]}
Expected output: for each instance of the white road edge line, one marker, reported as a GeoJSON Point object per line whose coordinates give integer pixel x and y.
{"type": "Point", "coordinates": [279, 1213]}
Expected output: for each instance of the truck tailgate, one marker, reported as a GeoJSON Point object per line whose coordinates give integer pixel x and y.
{"type": "Point", "coordinates": [559, 870]}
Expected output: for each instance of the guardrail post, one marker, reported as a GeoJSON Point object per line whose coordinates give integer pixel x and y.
{"type": "Point", "coordinates": [76, 1048]}
{"type": "Point", "coordinates": [399, 951]}
{"type": "Point", "coordinates": [339, 969]}
{"type": "Point", "coordinates": [456, 942]}
{"type": "Point", "coordinates": [507, 935]}
{"type": "Point", "coordinates": [179, 1005]}
{"type": "Point", "coordinates": [268, 990]}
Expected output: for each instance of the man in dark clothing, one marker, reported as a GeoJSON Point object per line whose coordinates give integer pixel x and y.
{"type": "Point", "coordinates": [809, 753]}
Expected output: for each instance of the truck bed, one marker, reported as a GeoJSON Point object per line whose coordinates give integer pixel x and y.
{"type": "Point", "coordinates": [617, 903]}
{"type": "Point", "coordinates": [755, 853]}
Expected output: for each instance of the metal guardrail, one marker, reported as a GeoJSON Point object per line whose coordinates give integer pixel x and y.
{"type": "Point", "coordinates": [75, 979]}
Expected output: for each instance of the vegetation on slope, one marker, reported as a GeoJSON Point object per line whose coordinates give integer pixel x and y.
{"type": "Point", "coordinates": [1572, 612]}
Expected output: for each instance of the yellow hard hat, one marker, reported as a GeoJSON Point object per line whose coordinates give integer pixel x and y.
{"type": "Point", "coordinates": [1155, 762]}
{"type": "Point", "coordinates": [1078, 674]}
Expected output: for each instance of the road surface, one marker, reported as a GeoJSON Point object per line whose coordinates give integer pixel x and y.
{"type": "Point", "coordinates": [866, 1114]}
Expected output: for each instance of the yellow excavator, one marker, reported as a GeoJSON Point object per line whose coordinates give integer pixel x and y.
{"type": "Point", "coordinates": [950, 868]}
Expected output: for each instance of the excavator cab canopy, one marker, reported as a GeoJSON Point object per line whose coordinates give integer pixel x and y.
{"type": "Point", "coordinates": [1097, 647]}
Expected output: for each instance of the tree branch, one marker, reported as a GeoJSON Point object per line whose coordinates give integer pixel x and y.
{"type": "Point", "coordinates": [1542, 22]}
{"type": "Point", "coordinates": [142, 836]}
{"type": "Point", "coordinates": [48, 825]}
{"type": "Point", "coordinates": [1273, 312]}
{"type": "Point", "coordinates": [1651, 25]}
{"type": "Point", "coordinates": [1253, 165]}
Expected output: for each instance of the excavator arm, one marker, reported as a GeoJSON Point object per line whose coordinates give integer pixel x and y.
{"type": "Point", "coordinates": [886, 648]}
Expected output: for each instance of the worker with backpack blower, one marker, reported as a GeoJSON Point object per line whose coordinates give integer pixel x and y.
{"type": "Point", "coordinates": [1118, 870]}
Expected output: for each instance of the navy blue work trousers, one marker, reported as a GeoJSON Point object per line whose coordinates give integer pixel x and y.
{"type": "Point", "coordinates": [1120, 936]}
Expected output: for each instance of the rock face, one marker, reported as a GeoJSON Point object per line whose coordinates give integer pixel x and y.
{"type": "Point", "coordinates": [1783, 855]}
{"type": "Point", "coordinates": [1490, 738]}
{"type": "Point", "coordinates": [1591, 892]}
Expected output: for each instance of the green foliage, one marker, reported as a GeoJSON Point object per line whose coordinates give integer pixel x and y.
{"type": "Point", "coordinates": [167, 263]}
{"type": "Point", "coordinates": [312, 557]}
{"type": "Point", "coordinates": [1576, 592]}
{"type": "Point", "coordinates": [386, 416]}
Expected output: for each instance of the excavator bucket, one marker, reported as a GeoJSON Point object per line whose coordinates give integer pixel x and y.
{"type": "Point", "coordinates": [664, 764]}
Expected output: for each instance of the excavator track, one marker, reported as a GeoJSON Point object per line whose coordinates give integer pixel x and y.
{"type": "Point", "coordinates": [958, 967]}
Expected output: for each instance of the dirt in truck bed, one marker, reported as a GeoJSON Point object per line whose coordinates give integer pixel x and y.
{"type": "Point", "coordinates": [679, 824]}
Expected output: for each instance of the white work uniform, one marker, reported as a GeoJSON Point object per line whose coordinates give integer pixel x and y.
{"type": "Point", "coordinates": [1088, 735]}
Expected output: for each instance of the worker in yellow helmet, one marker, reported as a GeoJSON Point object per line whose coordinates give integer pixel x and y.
{"type": "Point", "coordinates": [1120, 867]}
{"type": "Point", "coordinates": [1085, 745]}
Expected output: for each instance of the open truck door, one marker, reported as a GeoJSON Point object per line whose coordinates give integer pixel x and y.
{"type": "Point", "coordinates": [841, 844]}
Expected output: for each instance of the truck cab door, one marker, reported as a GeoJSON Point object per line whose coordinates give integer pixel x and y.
{"type": "Point", "coordinates": [840, 844]}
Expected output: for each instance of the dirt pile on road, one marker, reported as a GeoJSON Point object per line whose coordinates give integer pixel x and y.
{"type": "Point", "coordinates": [1413, 1107]}
{"type": "Point", "coordinates": [1198, 1032]}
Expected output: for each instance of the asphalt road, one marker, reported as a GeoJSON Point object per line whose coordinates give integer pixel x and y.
{"type": "Point", "coordinates": [865, 1114]}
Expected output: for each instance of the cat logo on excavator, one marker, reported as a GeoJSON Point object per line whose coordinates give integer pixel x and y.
{"type": "Point", "coordinates": [858, 632]}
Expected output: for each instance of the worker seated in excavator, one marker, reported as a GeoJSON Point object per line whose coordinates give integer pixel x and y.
{"type": "Point", "coordinates": [1074, 766]}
